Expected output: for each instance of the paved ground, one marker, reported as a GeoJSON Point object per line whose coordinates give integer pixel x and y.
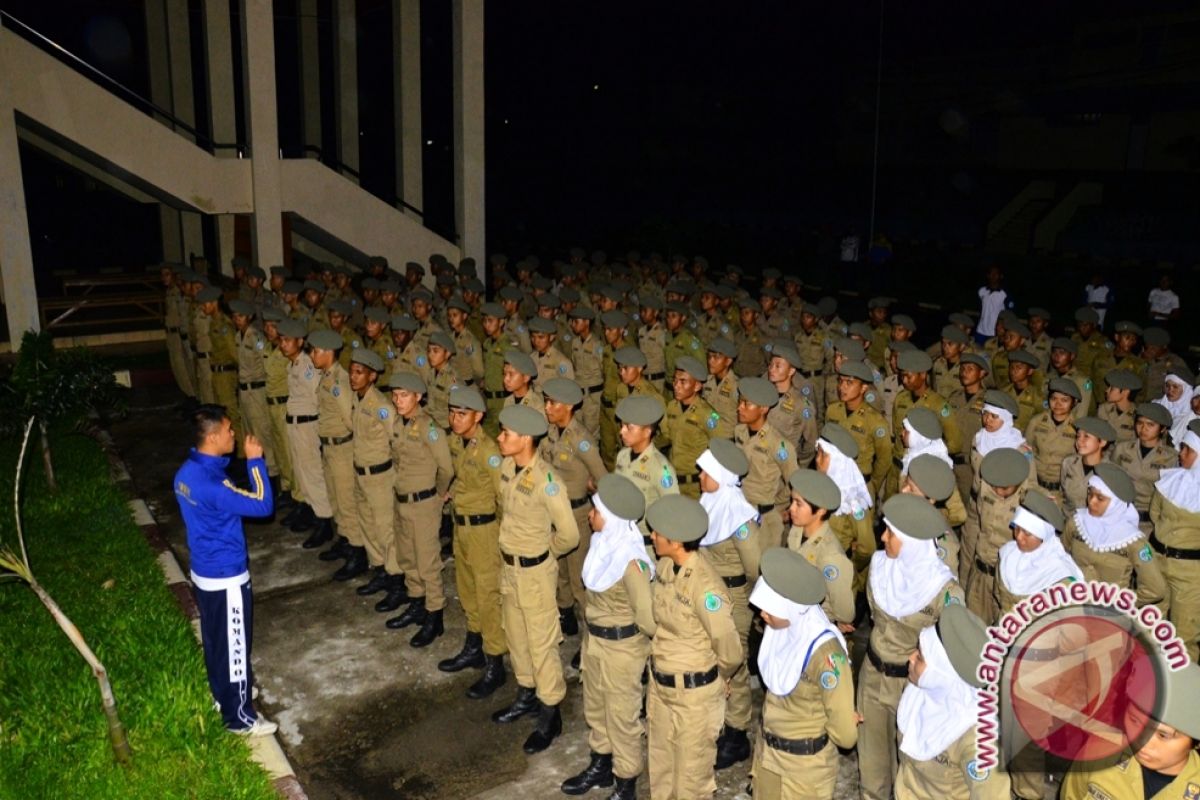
{"type": "Point", "coordinates": [362, 714]}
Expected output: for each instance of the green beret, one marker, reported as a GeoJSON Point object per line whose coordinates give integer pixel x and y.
{"type": "Point", "coordinates": [1040, 313]}
{"type": "Point", "coordinates": [1004, 466]}
{"type": "Point", "coordinates": [1024, 357]}
{"type": "Point", "coordinates": [1125, 326]}
{"type": "Point", "coordinates": [787, 352]}
{"type": "Point", "coordinates": [840, 438]}
{"type": "Point", "coordinates": [925, 422]}
{"type": "Point", "coordinates": [343, 307]}
{"type": "Point", "coordinates": [729, 456]}
{"type": "Point", "coordinates": [511, 293]}
{"type": "Point", "coordinates": [209, 294]}
{"type": "Point", "coordinates": [582, 312]}
{"type": "Point", "coordinates": [492, 310]}
{"type": "Point", "coordinates": [723, 346]}
{"type": "Point", "coordinates": [521, 362]}
{"type": "Point", "coordinates": [1154, 412]}
{"type": "Point", "coordinates": [953, 333]}
{"type": "Point", "coordinates": [1175, 700]}
{"type": "Point", "coordinates": [325, 340]}
{"type": "Point", "coordinates": [272, 315]}
{"type": "Point", "coordinates": [409, 381]}
{"type": "Point", "coordinates": [963, 636]}
{"type": "Point", "coordinates": [856, 369]}
{"type": "Point", "coordinates": [457, 302]}
{"type": "Point", "coordinates": [914, 517]}
{"type": "Point", "coordinates": [292, 287]}
{"type": "Point", "coordinates": [467, 397]}
{"type": "Point", "coordinates": [914, 361]}
{"type": "Point", "coordinates": [1156, 337]}
{"type": "Point", "coordinates": [878, 302]}
{"type": "Point", "coordinates": [933, 477]}
{"type": "Point", "coordinates": [368, 358]}
{"type": "Point", "coordinates": [563, 390]}
{"type": "Point", "coordinates": [442, 339]}
{"type": "Point", "coordinates": [961, 319]}
{"type": "Point", "coordinates": [241, 307]}
{"type": "Point", "coordinates": [377, 314]}
{"type": "Point", "coordinates": [1064, 386]}
{"type": "Point", "coordinates": [817, 489]}
{"type": "Point", "coordinates": [314, 286]}
{"type": "Point", "coordinates": [292, 328]}
{"type": "Point", "coordinates": [678, 518]}
{"type": "Point", "coordinates": [622, 497]}
{"type": "Point", "coordinates": [850, 348]}
{"type": "Point", "coordinates": [904, 321]}
{"type": "Point", "coordinates": [862, 330]}
{"type": "Point", "coordinates": [759, 391]}
{"type": "Point", "coordinates": [640, 409]}
{"type": "Point", "coordinates": [630, 357]}
{"type": "Point", "coordinates": [792, 576]}
{"type": "Point", "coordinates": [1087, 314]}
{"type": "Point", "coordinates": [1063, 343]}
{"type": "Point", "coordinates": [404, 322]}
{"type": "Point", "coordinates": [1096, 427]}
{"type": "Point", "coordinates": [1116, 479]}
{"type": "Point", "coordinates": [999, 399]}
{"type": "Point", "coordinates": [615, 319]}
{"type": "Point", "coordinates": [976, 359]}
{"type": "Point", "coordinates": [1044, 508]}
{"type": "Point", "coordinates": [904, 346]}
{"type": "Point", "coordinates": [692, 367]}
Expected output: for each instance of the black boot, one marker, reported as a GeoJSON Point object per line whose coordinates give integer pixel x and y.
{"type": "Point", "coordinates": [320, 535]}
{"type": "Point", "coordinates": [305, 519]}
{"type": "Point", "coordinates": [567, 621]}
{"type": "Point", "coordinates": [525, 703]}
{"type": "Point", "coordinates": [431, 628]}
{"type": "Point", "coordinates": [471, 655]}
{"type": "Point", "coordinates": [378, 582]}
{"type": "Point", "coordinates": [549, 726]}
{"type": "Point", "coordinates": [415, 614]}
{"type": "Point", "coordinates": [340, 549]}
{"type": "Point", "coordinates": [597, 773]}
{"type": "Point", "coordinates": [356, 564]}
{"type": "Point", "coordinates": [292, 514]}
{"type": "Point", "coordinates": [493, 678]}
{"type": "Point", "coordinates": [732, 747]}
{"type": "Point", "coordinates": [397, 595]}
{"type": "Point", "coordinates": [626, 789]}
{"type": "Point", "coordinates": [575, 659]}
{"type": "Point", "coordinates": [283, 498]}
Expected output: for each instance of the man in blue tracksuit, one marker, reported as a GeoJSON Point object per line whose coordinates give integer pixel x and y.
{"type": "Point", "coordinates": [212, 508]}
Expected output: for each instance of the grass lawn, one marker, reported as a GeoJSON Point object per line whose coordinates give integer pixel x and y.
{"type": "Point", "coordinates": [88, 554]}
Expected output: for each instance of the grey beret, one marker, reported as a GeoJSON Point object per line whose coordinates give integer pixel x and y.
{"type": "Point", "coordinates": [856, 369]}
{"type": "Point", "coordinates": [377, 314]}
{"type": "Point", "coordinates": [840, 438]}
{"type": "Point", "coordinates": [723, 346]}
{"type": "Point", "coordinates": [904, 321]}
{"type": "Point", "coordinates": [492, 310]}
{"type": "Point", "coordinates": [1044, 508]}
{"type": "Point", "coordinates": [976, 359]}
{"type": "Point", "coordinates": [1154, 412]}
{"type": "Point", "coordinates": [241, 307]}
{"type": "Point", "coordinates": [677, 517]}
{"type": "Point", "coordinates": [622, 497]}
{"type": "Point", "coordinates": [442, 339]}
{"type": "Point", "coordinates": [914, 517]}
{"type": "Point", "coordinates": [209, 294]}
{"type": "Point", "coordinates": [314, 286]}
{"type": "Point", "coordinates": [914, 361]}
{"type": "Point", "coordinates": [759, 391]}
{"type": "Point", "coordinates": [925, 422]}
{"type": "Point", "coordinates": [995, 397]}
{"type": "Point", "coordinates": [788, 353]}
{"type": "Point", "coordinates": [524, 420]}
{"type": "Point", "coordinates": [615, 319]}
{"type": "Point", "coordinates": [409, 381]}
{"type": "Point", "coordinates": [963, 636]}
{"type": "Point", "coordinates": [404, 322]}
{"type": "Point", "coordinates": [1123, 379]}
{"type": "Point", "coordinates": [325, 340]}
{"type": "Point", "coordinates": [1087, 314]}
{"type": "Point", "coordinates": [953, 333]}
{"type": "Point", "coordinates": [817, 488]}
{"type": "Point", "coordinates": [1040, 313]}
{"type": "Point", "coordinates": [1004, 466]}
{"type": "Point", "coordinates": [292, 328]}
{"type": "Point", "coordinates": [630, 357]}
{"type": "Point", "coordinates": [1096, 427]}
{"type": "Point", "coordinates": [563, 390]}
{"type": "Point", "coordinates": [1063, 343]}
{"type": "Point", "coordinates": [272, 315]}
{"type": "Point", "coordinates": [1020, 328]}
{"type": "Point", "coordinates": [1064, 386]}
{"type": "Point", "coordinates": [467, 397]}
{"type": "Point", "coordinates": [792, 576]}
{"type": "Point", "coordinates": [850, 348]}
{"type": "Point", "coordinates": [1125, 326]}
{"type": "Point", "coordinates": [729, 456]}
{"type": "Point", "coordinates": [521, 362]}
{"type": "Point", "coordinates": [292, 287]}
{"type": "Point", "coordinates": [932, 476]}
{"type": "Point", "coordinates": [640, 409]}
{"type": "Point", "coordinates": [542, 325]}
{"type": "Point", "coordinates": [368, 358]}
{"type": "Point", "coordinates": [1024, 357]}
{"type": "Point", "coordinates": [1116, 479]}
{"type": "Point", "coordinates": [692, 367]}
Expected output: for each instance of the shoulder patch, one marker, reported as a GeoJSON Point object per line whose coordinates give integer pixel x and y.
{"type": "Point", "coordinates": [562, 369]}
{"type": "Point", "coordinates": [336, 391]}
{"type": "Point", "coordinates": [880, 432]}
{"type": "Point", "coordinates": [806, 413]}
{"type": "Point", "coordinates": [806, 390]}
{"type": "Point", "coordinates": [1144, 554]}
{"type": "Point", "coordinates": [391, 353]}
{"type": "Point", "coordinates": [493, 461]}
{"type": "Point", "coordinates": [711, 422]}
{"type": "Point", "coordinates": [742, 533]}
{"type": "Point", "coordinates": [782, 452]}
{"type": "Point", "coordinates": [383, 413]}
{"type": "Point", "coordinates": [308, 373]}
{"type": "Point", "coordinates": [975, 773]}
{"type": "Point", "coordinates": [830, 572]}
{"type": "Point", "coordinates": [643, 566]}
{"type": "Point", "coordinates": [860, 513]}
{"type": "Point", "coordinates": [355, 344]}
{"type": "Point", "coordinates": [584, 446]}
{"type": "Point", "coordinates": [421, 361]}
{"type": "Point", "coordinates": [712, 602]}
{"type": "Point", "coordinates": [949, 599]}
{"type": "Point", "coordinates": [695, 344]}
{"type": "Point", "coordinates": [259, 345]}
{"type": "Point", "coordinates": [433, 434]}
{"type": "Point", "coordinates": [828, 680]}
{"type": "Point", "coordinates": [667, 480]}
{"type": "Point", "coordinates": [1088, 384]}
{"type": "Point", "coordinates": [945, 409]}
{"type": "Point", "coordinates": [470, 349]}
{"type": "Point", "coordinates": [551, 489]}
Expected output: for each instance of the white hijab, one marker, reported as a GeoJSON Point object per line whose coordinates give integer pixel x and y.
{"type": "Point", "coordinates": [611, 549]}
{"type": "Point", "coordinates": [1179, 426]}
{"type": "Point", "coordinates": [1007, 436]}
{"type": "Point", "coordinates": [905, 584]}
{"type": "Point", "coordinates": [845, 473]}
{"type": "Point", "coordinates": [727, 507]}
{"type": "Point", "coordinates": [784, 654]}
{"type": "Point", "coordinates": [1112, 531]}
{"type": "Point", "coordinates": [1181, 409]}
{"type": "Point", "coordinates": [939, 708]}
{"type": "Point", "coordinates": [918, 445]}
{"type": "Point", "coordinates": [1182, 486]}
{"type": "Point", "coordinates": [1027, 573]}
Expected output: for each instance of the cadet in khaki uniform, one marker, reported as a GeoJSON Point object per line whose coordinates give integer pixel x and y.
{"type": "Point", "coordinates": [616, 338]}
{"type": "Point", "coordinates": [1175, 514]}
{"type": "Point", "coordinates": [682, 341]}
{"type": "Point", "coordinates": [223, 363]}
{"type": "Point", "coordinates": [1025, 388]}
{"type": "Point", "coordinates": [174, 304]}
{"type": "Point", "coordinates": [468, 354]}
{"type": "Point", "coordinates": [1160, 361]}
{"type": "Point", "coordinates": [1093, 442]}
{"type": "Point", "coordinates": [849, 349]}
{"type": "Point", "coordinates": [442, 378]}
{"type": "Point", "coordinates": [639, 460]}
{"type": "Point", "coordinates": [865, 425]}
{"type": "Point", "coordinates": [689, 424]}
{"type": "Point", "coordinates": [1095, 349]}
{"type": "Point", "coordinates": [751, 358]}
{"type": "Point", "coordinates": [931, 478]}
{"type": "Point", "coordinates": [495, 345]}
{"type": "Point", "coordinates": [907, 589]}
{"type": "Point", "coordinates": [652, 340]}
{"type": "Point", "coordinates": [374, 477]}
{"type": "Point", "coordinates": [721, 388]}
{"type": "Point", "coordinates": [550, 361]}
{"type": "Point", "coordinates": [1040, 341]}
{"type": "Point", "coordinates": [514, 325]}
{"type": "Point", "coordinates": [476, 498]}
{"type": "Point", "coordinates": [537, 526]}
{"type": "Point", "coordinates": [795, 415]}
{"type": "Point", "coordinates": [814, 498]}
{"type": "Point", "coordinates": [1062, 363]}
{"type": "Point", "coordinates": [808, 711]}
{"type": "Point", "coordinates": [587, 358]}
{"type": "Point", "coordinates": [1051, 434]}
{"type": "Point", "coordinates": [733, 548]}
{"type": "Point", "coordinates": [1119, 406]}
{"type": "Point", "coordinates": [252, 351]}
{"type": "Point", "coordinates": [938, 726]}
{"type": "Point", "coordinates": [1002, 473]}
{"type": "Point", "coordinates": [694, 654]}
{"type": "Point", "coordinates": [519, 374]}
{"type": "Point", "coordinates": [851, 522]}
{"type": "Point", "coordinates": [1146, 457]}
{"type": "Point", "coordinates": [946, 364]}
{"type": "Point", "coordinates": [276, 364]}
{"type": "Point", "coordinates": [914, 376]}
{"type": "Point", "coordinates": [572, 450]}
{"type": "Point", "coordinates": [620, 620]}
{"type": "Point", "coordinates": [1033, 560]}
{"type": "Point", "coordinates": [772, 458]}
{"type": "Point", "coordinates": [200, 325]}
{"type": "Point", "coordinates": [423, 473]}
{"type": "Point", "coordinates": [378, 339]}
{"type": "Point", "coordinates": [335, 407]}
{"type": "Point", "coordinates": [1166, 765]}
{"type": "Point", "coordinates": [304, 444]}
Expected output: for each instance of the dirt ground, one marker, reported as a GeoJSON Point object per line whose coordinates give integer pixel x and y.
{"type": "Point", "coordinates": [362, 714]}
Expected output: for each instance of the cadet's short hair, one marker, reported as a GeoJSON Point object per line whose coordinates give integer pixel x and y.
{"type": "Point", "coordinates": [205, 418]}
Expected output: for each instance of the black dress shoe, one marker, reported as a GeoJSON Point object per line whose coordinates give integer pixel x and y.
{"type": "Point", "coordinates": [567, 621]}
{"type": "Point", "coordinates": [431, 629]}
{"type": "Point", "coordinates": [415, 614]}
{"type": "Point", "coordinates": [471, 655]}
{"type": "Point", "coordinates": [397, 595]}
{"type": "Point", "coordinates": [492, 679]}
{"type": "Point", "coordinates": [549, 726]}
{"type": "Point", "coordinates": [305, 519]}
{"type": "Point", "coordinates": [356, 564]}
{"type": "Point", "coordinates": [378, 582]}
{"type": "Point", "coordinates": [525, 703]}
{"type": "Point", "coordinates": [320, 535]}
{"type": "Point", "coordinates": [732, 747]}
{"type": "Point", "coordinates": [598, 772]}
{"type": "Point", "coordinates": [626, 789]}
{"type": "Point", "coordinates": [340, 549]}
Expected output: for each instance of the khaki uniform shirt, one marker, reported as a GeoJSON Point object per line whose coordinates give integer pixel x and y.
{"type": "Point", "coordinates": [695, 620]}
{"type": "Point", "coordinates": [987, 527]}
{"type": "Point", "coordinates": [421, 453]}
{"type": "Point", "coordinates": [303, 381]}
{"type": "Point", "coordinates": [652, 341]}
{"type": "Point", "coordinates": [468, 356]}
{"type": "Point", "coordinates": [629, 601]}
{"type": "Point", "coordinates": [252, 352]}
{"type": "Point", "coordinates": [968, 415]}
{"type": "Point", "coordinates": [895, 638]}
{"type": "Point", "coordinates": [935, 403]}
{"type": "Point", "coordinates": [1083, 407]}
{"type": "Point", "coordinates": [514, 329]}
{"type": "Point", "coordinates": [533, 398]}
{"type": "Point", "coordinates": [551, 364]}
{"type": "Point", "coordinates": [336, 403]}
{"type": "Point", "coordinates": [825, 552]}
{"type": "Point", "coordinates": [722, 395]}
{"type": "Point", "coordinates": [870, 432]}
{"type": "Point", "coordinates": [222, 337]}
{"type": "Point", "coordinates": [739, 554]}
{"type": "Point", "coordinates": [710, 326]}
{"type": "Point", "coordinates": [795, 417]}
{"type": "Point", "coordinates": [651, 472]}
{"type": "Point", "coordinates": [772, 461]}
{"type": "Point", "coordinates": [277, 365]}
{"type": "Point", "coordinates": [1094, 357]}
{"type": "Point", "coordinates": [476, 487]}
{"type": "Point", "coordinates": [951, 774]}
{"type": "Point", "coordinates": [751, 358]}
{"type": "Point", "coordinates": [1051, 443]}
{"type": "Point", "coordinates": [945, 377]}
{"type": "Point", "coordinates": [684, 343]}
{"type": "Point", "coordinates": [1123, 422]}
{"type": "Point", "coordinates": [493, 362]}
{"type": "Point", "coordinates": [813, 347]}
{"type": "Point", "coordinates": [373, 421]}
{"type": "Point", "coordinates": [1120, 565]}
{"type": "Point", "coordinates": [1123, 781]}
{"type": "Point", "coordinates": [1174, 526]}
{"type": "Point", "coordinates": [687, 431]}
{"type": "Point", "coordinates": [1144, 470]}
{"type": "Point", "coordinates": [587, 357]}
{"type": "Point", "coordinates": [1041, 347]}
{"type": "Point", "coordinates": [1157, 372]}
{"type": "Point", "coordinates": [537, 513]}
{"type": "Point", "coordinates": [1030, 402]}
{"type": "Point", "coordinates": [575, 456]}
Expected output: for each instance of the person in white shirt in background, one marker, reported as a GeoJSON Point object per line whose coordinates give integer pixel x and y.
{"type": "Point", "coordinates": [993, 298]}
{"type": "Point", "coordinates": [1097, 295]}
{"type": "Point", "coordinates": [1162, 303]}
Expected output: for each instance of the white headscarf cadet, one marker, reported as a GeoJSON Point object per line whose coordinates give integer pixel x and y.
{"type": "Point", "coordinates": [1027, 573]}
{"type": "Point", "coordinates": [919, 445]}
{"type": "Point", "coordinates": [1116, 528]}
{"type": "Point", "coordinates": [727, 507]}
{"type": "Point", "coordinates": [612, 548]}
{"type": "Point", "coordinates": [845, 473]}
{"type": "Point", "coordinates": [1008, 436]}
{"type": "Point", "coordinates": [939, 708]}
{"type": "Point", "coordinates": [907, 583]}
{"type": "Point", "coordinates": [1182, 486]}
{"type": "Point", "coordinates": [1181, 409]}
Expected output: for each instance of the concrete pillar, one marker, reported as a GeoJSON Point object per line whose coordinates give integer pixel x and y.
{"type": "Point", "coordinates": [469, 201]}
{"type": "Point", "coordinates": [219, 50]}
{"type": "Point", "coordinates": [310, 76]}
{"type": "Point", "coordinates": [345, 47]}
{"type": "Point", "coordinates": [179, 54]}
{"type": "Point", "coordinates": [406, 88]}
{"type": "Point", "coordinates": [18, 290]}
{"type": "Point", "coordinates": [262, 125]}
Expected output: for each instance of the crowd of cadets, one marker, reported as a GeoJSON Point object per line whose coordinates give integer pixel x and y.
{"type": "Point", "coordinates": [629, 441]}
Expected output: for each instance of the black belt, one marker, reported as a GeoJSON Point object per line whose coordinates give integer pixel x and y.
{"type": "Point", "coordinates": [513, 561]}
{"type": "Point", "coordinates": [763, 509]}
{"type": "Point", "coordinates": [810, 373]}
{"type": "Point", "coordinates": [580, 502]}
{"type": "Point", "coordinates": [330, 440]}
{"type": "Point", "coordinates": [245, 387]}
{"type": "Point", "coordinates": [416, 497]}
{"type": "Point", "coordinates": [490, 395]}
{"type": "Point", "coordinates": [613, 634]}
{"type": "Point", "coordinates": [899, 462]}
{"type": "Point", "coordinates": [691, 680]}
{"type": "Point", "coordinates": [1144, 516]}
{"type": "Point", "coordinates": [298, 420]}
{"type": "Point", "coordinates": [734, 581]}
{"type": "Point", "coordinates": [1174, 552]}
{"type": "Point", "coordinates": [647, 541]}
{"type": "Point", "coordinates": [274, 401]}
{"type": "Point", "coordinates": [682, 479]}
{"type": "Point", "coordinates": [183, 337]}
{"type": "Point", "coordinates": [199, 354]}
{"type": "Point", "coordinates": [1049, 485]}
{"type": "Point", "coordinates": [224, 368]}
{"type": "Point", "coordinates": [173, 330]}
{"type": "Point", "coordinates": [984, 568]}
{"type": "Point", "coordinates": [604, 401]}
{"type": "Point", "coordinates": [474, 519]}
{"type": "Point", "coordinates": [656, 376]}
{"type": "Point", "coordinates": [891, 670]}
{"type": "Point", "coordinates": [959, 461]}
{"type": "Point", "coordinates": [797, 747]}
{"type": "Point", "coordinates": [592, 389]}
{"type": "Point", "coordinates": [375, 470]}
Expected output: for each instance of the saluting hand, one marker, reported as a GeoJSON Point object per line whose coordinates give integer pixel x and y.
{"type": "Point", "coordinates": [252, 446]}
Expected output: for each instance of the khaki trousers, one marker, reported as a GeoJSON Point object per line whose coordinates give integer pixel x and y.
{"type": "Point", "coordinates": [477, 567]}
{"type": "Point", "coordinates": [683, 727]}
{"type": "Point", "coordinates": [981, 594]}
{"type": "Point", "coordinates": [376, 516]}
{"type": "Point", "coordinates": [590, 413]}
{"type": "Point", "coordinates": [878, 696]}
{"type": "Point", "coordinates": [1183, 593]}
{"type": "Point", "coordinates": [257, 421]}
{"type": "Point", "coordinates": [204, 382]}
{"type": "Point", "coordinates": [739, 707]}
{"type": "Point", "coordinates": [783, 776]}
{"type": "Point", "coordinates": [338, 461]}
{"type": "Point", "coordinates": [531, 628]}
{"type": "Point", "coordinates": [283, 457]}
{"type": "Point", "coordinates": [304, 447]}
{"type": "Point", "coordinates": [418, 552]}
{"type": "Point", "coordinates": [179, 364]}
{"type": "Point", "coordinates": [612, 700]}
{"type": "Point", "coordinates": [571, 591]}
{"type": "Point", "coordinates": [225, 392]}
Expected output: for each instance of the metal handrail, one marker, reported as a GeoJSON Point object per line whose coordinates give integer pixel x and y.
{"type": "Point", "coordinates": [66, 56]}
